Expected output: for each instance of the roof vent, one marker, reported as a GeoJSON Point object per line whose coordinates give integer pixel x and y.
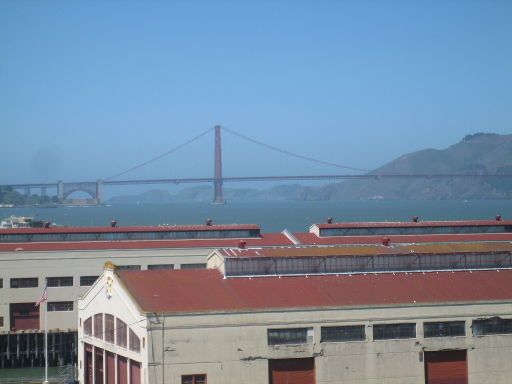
{"type": "Point", "coordinates": [209, 222]}
{"type": "Point", "coordinates": [113, 223]}
{"type": "Point", "coordinates": [498, 217]}
{"type": "Point", "coordinates": [415, 219]}
{"type": "Point", "coordinates": [329, 220]}
{"type": "Point", "coordinates": [386, 241]}
{"type": "Point", "coordinates": [241, 244]}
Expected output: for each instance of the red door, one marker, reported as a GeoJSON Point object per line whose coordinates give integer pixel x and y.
{"type": "Point", "coordinates": [98, 366]}
{"type": "Point", "coordinates": [122, 370]}
{"type": "Point", "coordinates": [88, 372]}
{"type": "Point", "coordinates": [446, 367]}
{"type": "Point", "coordinates": [111, 368]}
{"type": "Point", "coordinates": [292, 371]}
{"type": "Point", "coordinates": [134, 372]}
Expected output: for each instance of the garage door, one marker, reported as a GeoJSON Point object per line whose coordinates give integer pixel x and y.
{"type": "Point", "coordinates": [291, 371]}
{"type": "Point", "coordinates": [24, 316]}
{"type": "Point", "coordinates": [122, 370]}
{"type": "Point", "coordinates": [446, 367]}
{"type": "Point", "coordinates": [134, 372]}
{"type": "Point", "coordinates": [111, 368]}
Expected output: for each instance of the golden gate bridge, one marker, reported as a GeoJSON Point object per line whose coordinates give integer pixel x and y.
{"type": "Point", "coordinates": [95, 188]}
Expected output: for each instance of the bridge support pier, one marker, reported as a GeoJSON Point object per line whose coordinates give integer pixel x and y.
{"type": "Point", "coordinates": [217, 171]}
{"type": "Point", "coordinates": [43, 191]}
{"type": "Point", "coordinates": [27, 191]}
{"type": "Point", "coordinates": [99, 191]}
{"type": "Point", "coordinates": [60, 190]}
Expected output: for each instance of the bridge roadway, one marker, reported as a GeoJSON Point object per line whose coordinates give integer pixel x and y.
{"type": "Point", "coordinates": [94, 188]}
{"type": "Point", "coordinates": [300, 177]}
{"type": "Point", "coordinates": [198, 180]}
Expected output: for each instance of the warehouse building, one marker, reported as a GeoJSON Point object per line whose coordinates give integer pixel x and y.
{"type": "Point", "coordinates": [273, 315]}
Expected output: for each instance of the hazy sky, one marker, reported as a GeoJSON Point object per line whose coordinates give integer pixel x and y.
{"type": "Point", "coordinates": [90, 88]}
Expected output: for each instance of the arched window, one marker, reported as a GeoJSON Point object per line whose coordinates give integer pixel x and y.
{"type": "Point", "coordinates": [121, 333]}
{"type": "Point", "coordinates": [98, 326]}
{"type": "Point", "coordinates": [109, 328]}
{"type": "Point", "coordinates": [134, 342]}
{"type": "Point", "coordinates": [88, 326]}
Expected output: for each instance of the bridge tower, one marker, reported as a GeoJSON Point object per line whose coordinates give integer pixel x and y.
{"type": "Point", "coordinates": [217, 172]}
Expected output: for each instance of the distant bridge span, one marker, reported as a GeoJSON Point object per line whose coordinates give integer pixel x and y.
{"type": "Point", "coordinates": [95, 188]}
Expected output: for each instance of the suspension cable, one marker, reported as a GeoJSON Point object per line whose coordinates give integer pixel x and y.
{"type": "Point", "coordinates": [161, 155]}
{"type": "Point", "coordinates": [268, 146]}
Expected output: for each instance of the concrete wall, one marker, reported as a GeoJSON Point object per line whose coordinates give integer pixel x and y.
{"type": "Point", "coordinates": [233, 348]}
{"type": "Point", "coordinates": [76, 264]}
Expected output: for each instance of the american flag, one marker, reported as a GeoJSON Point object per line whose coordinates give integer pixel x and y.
{"type": "Point", "coordinates": [44, 296]}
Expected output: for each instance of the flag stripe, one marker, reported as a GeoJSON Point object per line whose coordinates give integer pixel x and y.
{"type": "Point", "coordinates": [43, 298]}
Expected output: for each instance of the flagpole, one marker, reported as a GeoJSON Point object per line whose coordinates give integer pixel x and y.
{"type": "Point", "coordinates": [46, 339]}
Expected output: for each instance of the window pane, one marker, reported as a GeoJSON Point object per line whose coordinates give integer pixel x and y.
{"type": "Point", "coordinates": [121, 332]}
{"type": "Point", "coordinates": [344, 333]}
{"type": "Point", "coordinates": [288, 336]}
{"type": "Point", "coordinates": [161, 266]}
{"type": "Point", "coordinates": [88, 326]}
{"type": "Point", "coordinates": [98, 326]}
{"type": "Point", "coordinates": [109, 328]}
{"type": "Point", "coordinates": [394, 331]}
{"type": "Point", "coordinates": [193, 266]}
{"type": "Point", "coordinates": [86, 281]}
{"type": "Point", "coordinates": [127, 267]}
{"type": "Point", "coordinates": [60, 306]}
{"type": "Point", "coordinates": [492, 326]}
{"type": "Point", "coordinates": [444, 329]}
{"type": "Point", "coordinates": [134, 342]}
{"type": "Point", "coordinates": [61, 281]}
{"type": "Point", "coordinates": [24, 282]}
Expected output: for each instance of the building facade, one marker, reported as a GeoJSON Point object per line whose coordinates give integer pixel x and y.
{"type": "Point", "coordinates": [385, 327]}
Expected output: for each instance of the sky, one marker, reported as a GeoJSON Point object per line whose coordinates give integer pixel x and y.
{"type": "Point", "coordinates": [91, 88]}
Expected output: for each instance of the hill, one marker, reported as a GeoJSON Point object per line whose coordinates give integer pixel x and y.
{"type": "Point", "coordinates": [478, 153]}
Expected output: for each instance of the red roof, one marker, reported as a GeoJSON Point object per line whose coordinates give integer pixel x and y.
{"type": "Point", "coordinates": [400, 224]}
{"type": "Point", "coordinates": [159, 228]}
{"type": "Point", "coordinates": [264, 240]}
{"type": "Point", "coordinates": [312, 239]}
{"type": "Point", "coordinates": [174, 291]}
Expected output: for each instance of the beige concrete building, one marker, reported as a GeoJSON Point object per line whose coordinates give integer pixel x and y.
{"type": "Point", "coordinates": [71, 258]}
{"type": "Point", "coordinates": [444, 326]}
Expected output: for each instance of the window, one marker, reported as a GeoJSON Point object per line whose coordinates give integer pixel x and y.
{"type": "Point", "coordinates": [1, 321]}
{"type": "Point", "coordinates": [128, 267]}
{"type": "Point", "coordinates": [25, 282]}
{"type": "Point", "coordinates": [492, 326]}
{"type": "Point", "coordinates": [134, 342]}
{"type": "Point", "coordinates": [290, 336]}
{"type": "Point", "coordinates": [121, 333]}
{"type": "Point", "coordinates": [161, 266]}
{"type": "Point", "coordinates": [193, 266]}
{"type": "Point", "coordinates": [1, 283]}
{"type": "Point", "coordinates": [343, 333]}
{"type": "Point", "coordinates": [444, 329]}
{"type": "Point", "coordinates": [88, 326]}
{"type": "Point", "coordinates": [394, 331]}
{"type": "Point", "coordinates": [61, 281]}
{"type": "Point", "coordinates": [109, 328]}
{"type": "Point", "coordinates": [98, 326]}
{"type": "Point", "coordinates": [86, 281]}
{"type": "Point", "coordinates": [60, 306]}
{"type": "Point", "coordinates": [193, 379]}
